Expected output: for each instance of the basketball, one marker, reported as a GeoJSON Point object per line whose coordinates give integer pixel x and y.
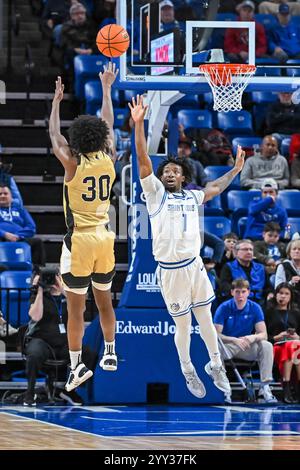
{"type": "Point", "coordinates": [112, 40]}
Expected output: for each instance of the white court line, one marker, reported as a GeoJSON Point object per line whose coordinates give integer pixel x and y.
{"type": "Point", "coordinates": [151, 421]}
{"type": "Point", "coordinates": [237, 433]}
{"type": "Point", "coordinates": [256, 410]}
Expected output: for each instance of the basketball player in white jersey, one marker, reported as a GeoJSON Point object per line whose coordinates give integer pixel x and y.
{"type": "Point", "coordinates": [184, 284]}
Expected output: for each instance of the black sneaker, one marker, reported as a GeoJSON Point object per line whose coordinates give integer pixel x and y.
{"type": "Point", "coordinates": [29, 400]}
{"type": "Point", "coordinates": [71, 397]}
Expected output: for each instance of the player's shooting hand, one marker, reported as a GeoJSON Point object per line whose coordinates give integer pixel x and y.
{"type": "Point", "coordinates": [240, 159]}
{"type": "Point", "coordinates": [109, 74]}
{"type": "Point", "coordinates": [138, 109]}
{"type": "Point", "coordinates": [59, 90]}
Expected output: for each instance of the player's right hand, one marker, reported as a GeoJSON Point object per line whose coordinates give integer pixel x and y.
{"type": "Point", "coordinates": [59, 90]}
{"type": "Point", "coordinates": [138, 109]}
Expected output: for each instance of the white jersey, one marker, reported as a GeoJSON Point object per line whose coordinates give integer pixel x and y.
{"type": "Point", "coordinates": [174, 221]}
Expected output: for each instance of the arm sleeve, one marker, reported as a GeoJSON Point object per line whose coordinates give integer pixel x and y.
{"type": "Point", "coordinates": [280, 275]}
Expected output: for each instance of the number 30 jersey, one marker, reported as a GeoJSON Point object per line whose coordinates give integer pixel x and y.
{"type": "Point", "coordinates": [87, 195]}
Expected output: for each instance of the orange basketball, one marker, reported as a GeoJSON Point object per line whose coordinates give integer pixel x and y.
{"type": "Point", "coordinates": [112, 40]}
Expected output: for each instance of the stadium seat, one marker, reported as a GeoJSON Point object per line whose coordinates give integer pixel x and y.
{"type": "Point", "coordinates": [285, 147]}
{"type": "Point", "coordinates": [214, 206]}
{"type": "Point", "coordinates": [214, 172]}
{"type": "Point", "coordinates": [191, 118]}
{"type": "Point", "coordinates": [241, 199]}
{"type": "Point", "coordinates": [235, 122]}
{"type": "Point", "coordinates": [246, 143]}
{"type": "Point", "coordinates": [86, 67]}
{"type": "Point", "coordinates": [217, 225]}
{"type": "Point", "coordinates": [269, 72]}
{"type": "Point", "coordinates": [264, 96]}
{"type": "Point", "coordinates": [93, 96]}
{"type": "Point", "coordinates": [242, 223]}
{"type": "Point", "coordinates": [15, 301]}
{"type": "Point", "coordinates": [290, 200]}
{"type": "Point", "coordinates": [267, 20]}
{"type": "Point", "coordinates": [295, 224]}
{"type": "Point", "coordinates": [16, 256]}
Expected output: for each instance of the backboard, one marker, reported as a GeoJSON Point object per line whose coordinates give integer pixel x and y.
{"type": "Point", "coordinates": [168, 45]}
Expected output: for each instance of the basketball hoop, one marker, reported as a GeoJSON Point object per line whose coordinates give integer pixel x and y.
{"type": "Point", "coordinates": [227, 82]}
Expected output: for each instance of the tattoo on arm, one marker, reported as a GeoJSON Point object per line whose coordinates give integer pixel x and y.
{"type": "Point", "coordinates": [224, 181]}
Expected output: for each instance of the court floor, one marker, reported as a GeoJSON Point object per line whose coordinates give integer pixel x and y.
{"type": "Point", "coordinates": [150, 427]}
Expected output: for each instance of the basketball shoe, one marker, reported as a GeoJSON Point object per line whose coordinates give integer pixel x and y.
{"type": "Point", "coordinates": [109, 362]}
{"type": "Point", "coordinates": [77, 376]}
{"type": "Point", "coordinates": [194, 384]}
{"type": "Point", "coordinates": [218, 374]}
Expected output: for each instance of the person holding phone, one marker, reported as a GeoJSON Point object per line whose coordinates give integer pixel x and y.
{"type": "Point", "coordinates": [283, 326]}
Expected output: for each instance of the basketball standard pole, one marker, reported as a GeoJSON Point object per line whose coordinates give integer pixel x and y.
{"type": "Point", "coordinates": [159, 102]}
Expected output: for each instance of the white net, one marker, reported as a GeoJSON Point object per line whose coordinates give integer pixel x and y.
{"type": "Point", "coordinates": [227, 82]}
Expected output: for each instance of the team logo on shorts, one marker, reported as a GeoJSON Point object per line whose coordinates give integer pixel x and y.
{"type": "Point", "coordinates": [174, 307]}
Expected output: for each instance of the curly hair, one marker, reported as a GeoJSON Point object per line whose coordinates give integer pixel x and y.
{"type": "Point", "coordinates": [187, 170]}
{"type": "Point", "coordinates": [88, 134]}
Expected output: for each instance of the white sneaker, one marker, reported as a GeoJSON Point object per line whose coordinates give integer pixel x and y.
{"type": "Point", "coordinates": [4, 327]}
{"type": "Point", "coordinates": [218, 374]}
{"type": "Point", "coordinates": [109, 362]}
{"type": "Point", "coordinates": [194, 384]}
{"type": "Point", "coordinates": [77, 376]}
{"type": "Point", "coordinates": [265, 395]}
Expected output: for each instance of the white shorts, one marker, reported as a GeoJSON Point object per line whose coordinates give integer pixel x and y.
{"type": "Point", "coordinates": [184, 285]}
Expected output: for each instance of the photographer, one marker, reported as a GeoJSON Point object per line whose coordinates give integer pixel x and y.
{"type": "Point", "coordinates": [46, 336]}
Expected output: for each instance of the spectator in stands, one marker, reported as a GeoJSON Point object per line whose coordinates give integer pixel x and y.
{"type": "Point", "coordinates": [270, 251]}
{"type": "Point", "coordinates": [46, 337]}
{"type": "Point", "coordinates": [289, 269]}
{"type": "Point", "coordinates": [16, 224]}
{"type": "Point", "coordinates": [236, 42]}
{"type": "Point", "coordinates": [77, 36]}
{"type": "Point", "coordinates": [104, 9]}
{"type": "Point", "coordinates": [214, 149]}
{"type": "Point", "coordinates": [55, 12]}
{"type": "Point", "coordinates": [217, 245]}
{"type": "Point", "coordinates": [199, 178]}
{"type": "Point", "coordinates": [6, 179]}
{"type": "Point", "coordinates": [271, 7]}
{"type": "Point", "coordinates": [167, 15]}
{"type": "Point", "coordinates": [241, 327]}
{"type": "Point", "coordinates": [265, 210]}
{"type": "Point", "coordinates": [266, 164]}
{"type": "Point", "coordinates": [230, 239]}
{"type": "Point", "coordinates": [295, 165]}
{"type": "Point", "coordinates": [284, 37]}
{"type": "Point", "coordinates": [229, 6]}
{"type": "Point", "coordinates": [283, 325]}
{"type": "Point", "coordinates": [283, 117]}
{"type": "Point", "coordinates": [245, 267]}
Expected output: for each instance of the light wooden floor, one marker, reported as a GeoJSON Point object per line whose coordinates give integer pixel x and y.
{"type": "Point", "coordinates": [18, 433]}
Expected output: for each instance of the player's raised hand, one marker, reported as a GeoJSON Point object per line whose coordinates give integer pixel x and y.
{"type": "Point", "coordinates": [239, 159]}
{"type": "Point", "coordinates": [59, 90]}
{"type": "Point", "coordinates": [138, 109]}
{"type": "Point", "coordinates": [109, 74]}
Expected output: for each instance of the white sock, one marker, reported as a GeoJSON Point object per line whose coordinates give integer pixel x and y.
{"type": "Point", "coordinates": [75, 357]}
{"type": "Point", "coordinates": [182, 340]}
{"type": "Point", "coordinates": [208, 333]}
{"type": "Point", "coordinates": [109, 347]}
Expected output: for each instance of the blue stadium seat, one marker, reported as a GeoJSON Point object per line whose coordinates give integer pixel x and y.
{"type": "Point", "coordinates": [285, 146]}
{"type": "Point", "coordinates": [214, 206]}
{"type": "Point", "coordinates": [268, 71]}
{"type": "Point", "coordinates": [16, 256]}
{"type": "Point", "coordinates": [235, 122]}
{"type": "Point", "coordinates": [14, 303]}
{"type": "Point", "coordinates": [264, 96]}
{"type": "Point", "coordinates": [246, 142]}
{"type": "Point", "coordinates": [242, 224]}
{"type": "Point", "coordinates": [93, 96]}
{"type": "Point", "coordinates": [293, 72]}
{"type": "Point", "coordinates": [241, 199]}
{"type": "Point", "coordinates": [214, 172]}
{"type": "Point", "coordinates": [226, 17]}
{"type": "Point", "coordinates": [217, 225]}
{"type": "Point", "coordinates": [290, 200]}
{"type": "Point", "coordinates": [198, 119]}
{"type": "Point", "coordinates": [267, 20]}
{"type": "Point", "coordinates": [295, 224]}
{"type": "Point", "coordinates": [119, 115]}
{"type": "Point", "coordinates": [86, 67]}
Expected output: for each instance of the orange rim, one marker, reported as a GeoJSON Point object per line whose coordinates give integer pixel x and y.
{"type": "Point", "coordinates": [234, 68]}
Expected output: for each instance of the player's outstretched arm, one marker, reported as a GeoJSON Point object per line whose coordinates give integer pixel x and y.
{"type": "Point", "coordinates": [107, 78]}
{"type": "Point", "coordinates": [138, 111]}
{"type": "Point", "coordinates": [216, 187]}
{"type": "Point", "coordinates": [59, 143]}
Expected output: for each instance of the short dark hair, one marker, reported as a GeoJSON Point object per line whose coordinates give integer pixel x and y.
{"type": "Point", "coordinates": [230, 235]}
{"type": "Point", "coordinates": [272, 227]}
{"type": "Point", "coordinates": [88, 134]}
{"type": "Point", "coordinates": [186, 168]}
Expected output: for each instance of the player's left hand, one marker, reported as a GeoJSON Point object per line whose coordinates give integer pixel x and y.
{"type": "Point", "coordinates": [239, 159]}
{"type": "Point", "coordinates": [109, 74]}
